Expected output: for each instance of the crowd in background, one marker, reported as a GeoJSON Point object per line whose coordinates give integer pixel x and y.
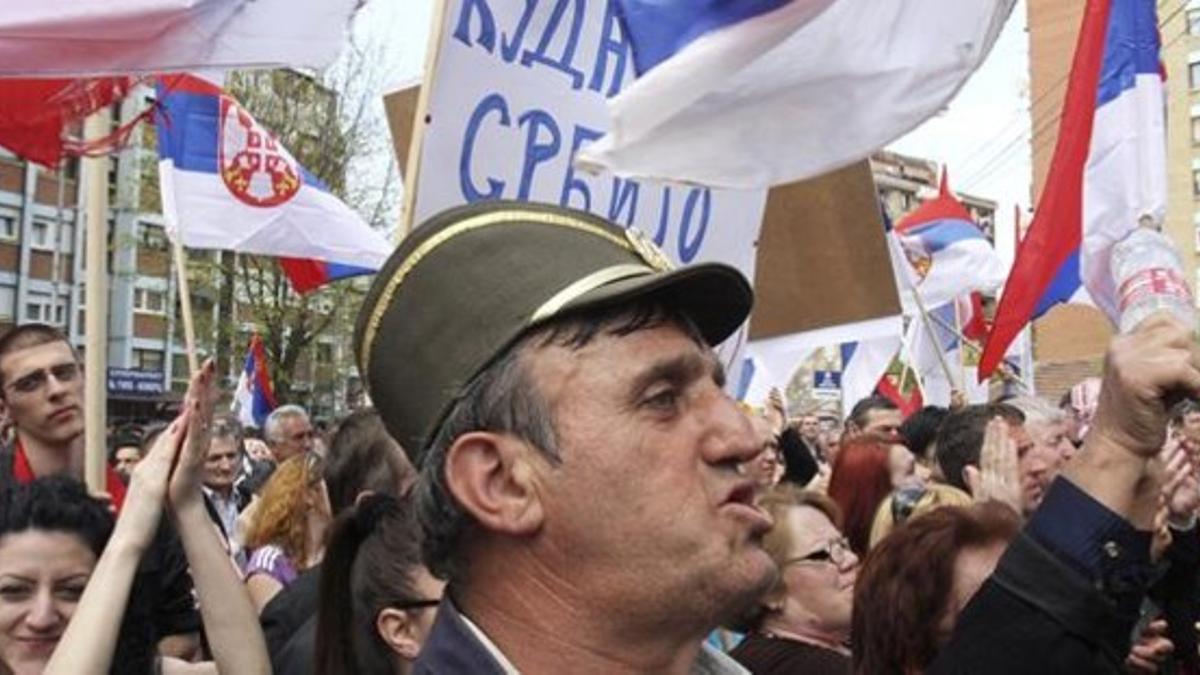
{"type": "Point", "coordinates": [583, 496]}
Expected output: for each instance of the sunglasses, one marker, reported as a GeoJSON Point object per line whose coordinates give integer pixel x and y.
{"type": "Point", "coordinates": [63, 372]}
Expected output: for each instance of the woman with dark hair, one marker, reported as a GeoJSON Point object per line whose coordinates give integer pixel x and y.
{"type": "Point", "coordinates": [66, 573]}
{"type": "Point", "coordinates": [378, 601]}
{"type": "Point", "coordinates": [802, 625]}
{"type": "Point", "coordinates": [860, 481]}
{"type": "Point", "coordinates": [915, 582]}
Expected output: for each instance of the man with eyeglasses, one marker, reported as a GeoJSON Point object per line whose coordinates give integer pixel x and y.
{"type": "Point", "coordinates": [41, 391]}
{"type": "Point", "coordinates": [289, 432]}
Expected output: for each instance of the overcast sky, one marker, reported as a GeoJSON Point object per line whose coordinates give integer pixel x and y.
{"type": "Point", "coordinates": [982, 136]}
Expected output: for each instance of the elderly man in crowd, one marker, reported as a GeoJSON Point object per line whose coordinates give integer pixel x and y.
{"type": "Point", "coordinates": [553, 378]}
{"type": "Point", "coordinates": [288, 432]}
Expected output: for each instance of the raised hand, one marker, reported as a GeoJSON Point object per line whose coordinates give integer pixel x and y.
{"type": "Point", "coordinates": [1180, 490]}
{"type": "Point", "coordinates": [997, 477]}
{"type": "Point", "coordinates": [143, 506]}
{"type": "Point", "coordinates": [199, 403]}
{"type": "Point", "coordinates": [1158, 360]}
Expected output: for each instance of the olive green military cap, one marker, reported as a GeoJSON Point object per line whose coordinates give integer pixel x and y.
{"type": "Point", "coordinates": [470, 281]}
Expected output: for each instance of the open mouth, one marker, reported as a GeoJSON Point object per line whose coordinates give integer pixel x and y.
{"type": "Point", "coordinates": [742, 503]}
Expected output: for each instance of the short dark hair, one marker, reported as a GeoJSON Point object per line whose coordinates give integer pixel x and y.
{"type": "Point", "coordinates": [56, 504]}
{"type": "Point", "coordinates": [1183, 409]}
{"type": "Point", "coordinates": [960, 439]}
{"type": "Point", "coordinates": [921, 429]}
{"type": "Point", "coordinates": [860, 411]}
{"type": "Point", "coordinates": [125, 437]}
{"type": "Point", "coordinates": [29, 335]}
{"type": "Point", "coordinates": [362, 456]}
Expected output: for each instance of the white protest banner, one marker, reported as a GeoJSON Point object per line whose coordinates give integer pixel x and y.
{"type": "Point", "coordinates": [517, 87]}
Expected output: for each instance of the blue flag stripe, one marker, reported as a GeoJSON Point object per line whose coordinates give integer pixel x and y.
{"type": "Point", "coordinates": [658, 29]}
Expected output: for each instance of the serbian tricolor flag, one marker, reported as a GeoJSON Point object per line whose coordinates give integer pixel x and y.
{"type": "Point", "coordinates": [227, 183]}
{"type": "Point", "coordinates": [753, 93]}
{"type": "Point", "coordinates": [254, 399]}
{"type": "Point", "coordinates": [949, 254]}
{"type": "Point", "coordinates": [1107, 173]}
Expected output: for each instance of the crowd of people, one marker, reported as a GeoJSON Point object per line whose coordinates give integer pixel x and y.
{"type": "Point", "coordinates": [553, 479]}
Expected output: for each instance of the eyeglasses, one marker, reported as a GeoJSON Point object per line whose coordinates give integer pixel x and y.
{"type": "Point", "coordinates": [63, 372]}
{"type": "Point", "coordinates": [836, 551]}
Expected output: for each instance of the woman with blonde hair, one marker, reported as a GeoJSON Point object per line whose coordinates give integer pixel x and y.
{"type": "Point", "coordinates": [287, 531]}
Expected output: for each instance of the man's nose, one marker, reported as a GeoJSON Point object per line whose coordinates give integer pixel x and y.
{"type": "Point", "coordinates": [731, 438]}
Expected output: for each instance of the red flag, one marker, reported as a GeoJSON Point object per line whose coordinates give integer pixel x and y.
{"type": "Point", "coordinates": [1055, 232]}
{"type": "Point", "coordinates": [36, 115]}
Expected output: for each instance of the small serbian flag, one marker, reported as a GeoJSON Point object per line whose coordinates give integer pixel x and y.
{"type": "Point", "coordinates": [227, 183]}
{"type": "Point", "coordinates": [254, 399]}
{"type": "Point", "coordinates": [948, 252]}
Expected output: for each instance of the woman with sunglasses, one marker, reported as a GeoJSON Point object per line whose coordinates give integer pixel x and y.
{"type": "Point", "coordinates": [287, 530]}
{"type": "Point", "coordinates": [802, 625]}
{"type": "Point", "coordinates": [378, 601]}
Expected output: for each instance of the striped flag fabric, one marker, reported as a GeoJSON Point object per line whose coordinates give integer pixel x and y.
{"type": "Point", "coordinates": [254, 398]}
{"type": "Point", "coordinates": [755, 93]}
{"type": "Point", "coordinates": [1108, 172]}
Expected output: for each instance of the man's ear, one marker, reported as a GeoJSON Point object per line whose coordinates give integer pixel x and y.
{"type": "Point", "coordinates": [398, 632]}
{"type": "Point", "coordinates": [492, 476]}
{"type": "Point", "coordinates": [973, 478]}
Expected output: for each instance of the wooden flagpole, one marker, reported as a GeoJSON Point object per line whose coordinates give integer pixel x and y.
{"type": "Point", "coordinates": [1003, 369]}
{"type": "Point", "coordinates": [95, 175]}
{"type": "Point", "coordinates": [185, 300]}
{"type": "Point", "coordinates": [962, 352]}
{"type": "Point", "coordinates": [941, 352]}
{"type": "Point", "coordinates": [412, 171]}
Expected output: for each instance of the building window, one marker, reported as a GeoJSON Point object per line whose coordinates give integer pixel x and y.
{"type": "Point", "coordinates": [40, 309]}
{"type": "Point", "coordinates": [148, 301]}
{"type": "Point", "coordinates": [9, 226]}
{"type": "Point", "coordinates": [1194, 75]}
{"type": "Point", "coordinates": [1193, 19]}
{"type": "Point", "coordinates": [1196, 183]}
{"type": "Point", "coordinates": [8, 303]}
{"type": "Point", "coordinates": [152, 237]}
{"type": "Point", "coordinates": [148, 359]}
{"type": "Point", "coordinates": [41, 234]}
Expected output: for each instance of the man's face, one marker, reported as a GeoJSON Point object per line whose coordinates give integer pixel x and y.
{"type": "Point", "coordinates": [1033, 469]}
{"type": "Point", "coordinates": [125, 458]}
{"type": "Point", "coordinates": [810, 429]}
{"type": "Point", "coordinates": [648, 498]}
{"type": "Point", "coordinates": [295, 437]}
{"type": "Point", "coordinates": [762, 468]}
{"type": "Point", "coordinates": [883, 424]}
{"type": "Point", "coordinates": [1053, 440]}
{"type": "Point", "coordinates": [1191, 427]}
{"type": "Point", "coordinates": [43, 392]}
{"type": "Point", "coordinates": [221, 463]}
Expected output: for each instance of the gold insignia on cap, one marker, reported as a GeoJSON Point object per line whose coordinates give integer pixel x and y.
{"type": "Point", "coordinates": [648, 251]}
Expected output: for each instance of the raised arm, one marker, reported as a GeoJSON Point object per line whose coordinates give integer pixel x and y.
{"type": "Point", "coordinates": [230, 621]}
{"type": "Point", "coordinates": [87, 645]}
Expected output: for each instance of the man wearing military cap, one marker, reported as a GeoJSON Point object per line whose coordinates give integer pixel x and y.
{"type": "Point", "coordinates": [553, 378]}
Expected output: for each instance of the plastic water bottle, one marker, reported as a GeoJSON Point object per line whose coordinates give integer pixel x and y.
{"type": "Point", "coordinates": [1149, 277]}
